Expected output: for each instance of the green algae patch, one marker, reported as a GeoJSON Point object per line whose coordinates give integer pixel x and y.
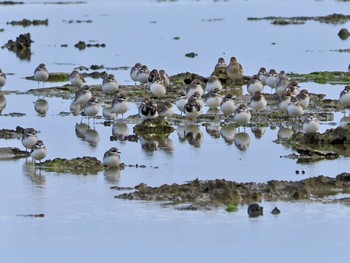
{"type": "Point", "coordinates": [53, 77]}
{"type": "Point", "coordinates": [323, 77]}
{"type": "Point", "coordinates": [79, 166]}
{"type": "Point", "coordinates": [231, 208]}
{"type": "Point", "coordinates": [157, 126]}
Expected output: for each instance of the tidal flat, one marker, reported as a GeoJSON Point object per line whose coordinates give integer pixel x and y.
{"type": "Point", "coordinates": [72, 214]}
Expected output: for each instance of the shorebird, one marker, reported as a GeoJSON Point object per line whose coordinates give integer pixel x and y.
{"type": "Point", "coordinates": [258, 101]}
{"type": "Point", "coordinates": [213, 83]}
{"type": "Point", "coordinates": [195, 85]}
{"type": "Point", "coordinates": [242, 115]}
{"type": "Point", "coordinates": [157, 88]}
{"type": "Point", "coordinates": [192, 109]}
{"type": "Point", "coordinates": [281, 82]}
{"type": "Point", "coordinates": [234, 69]}
{"type": "Point", "coordinates": [148, 109]}
{"type": "Point", "coordinates": [111, 158]}
{"type": "Point", "coordinates": [213, 99]}
{"type": "Point", "coordinates": [284, 101]}
{"type": "Point", "coordinates": [165, 108]}
{"type": "Point", "coordinates": [133, 72]}
{"type": "Point", "coordinates": [83, 95]}
{"type": "Point", "coordinates": [254, 84]}
{"type": "Point", "coordinates": [295, 109]}
{"type": "Point", "coordinates": [41, 74]}
{"type": "Point", "coordinates": [221, 63]}
{"type": "Point", "coordinates": [110, 84]}
{"type": "Point", "coordinates": [143, 74]}
{"type": "Point", "coordinates": [29, 138]}
{"type": "Point", "coordinates": [164, 77]}
{"type": "Point", "coordinates": [263, 75]}
{"type": "Point", "coordinates": [227, 105]}
{"type": "Point", "coordinates": [76, 79]}
{"type": "Point", "coordinates": [2, 79]}
{"type": "Point", "coordinates": [271, 79]}
{"type": "Point", "coordinates": [181, 101]}
{"type": "Point", "coordinates": [311, 124]}
{"type": "Point", "coordinates": [92, 107]}
{"type": "Point", "coordinates": [38, 151]}
{"type": "Point", "coordinates": [120, 105]}
{"type": "Point", "coordinates": [304, 98]}
{"type": "Point", "coordinates": [344, 97]}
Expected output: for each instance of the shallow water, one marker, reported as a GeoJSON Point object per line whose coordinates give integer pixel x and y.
{"type": "Point", "coordinates": [83, 221]}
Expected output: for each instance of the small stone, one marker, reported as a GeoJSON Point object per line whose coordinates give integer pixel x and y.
{"type": "Point", "coordinates": [255, 210]}
{"type": "Point", "coordinates": [191, 55]}
{"type": "Point", "coordinates": [275, 211]}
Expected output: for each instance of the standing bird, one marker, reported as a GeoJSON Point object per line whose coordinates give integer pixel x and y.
{"type": "Point", "coordinates": [221, 63]}
{"type": "Point", "coordinates": [213, 99]}
{"type": "Point", "coordinates": [344, 97]}
{"type": "Point", "coordinates": [92, 107]}
{"type": "Point", "coordinates": [83, 95]}
{"type": "Point", "coordinates": [263, 75]}
{"type": "Point", "coordinates": [148, 109]}
{"type": "Point", "coordinates": [153, 75]}
{"type": "Point", "coordinates": [271, 79]}
{"type": "Point", "coordinates": [258, 101]}
{"type": "Point", "coordinates": [143, 74]}
{"type": "Point", "coordinates": [165, 108]}
{"type": "Point", "coordinates": [164, 77]}
{"type": "Point", "coordinates": [29, 138]}
{"type": "Point", "coordinates": [234, 69]}
{"type": "Point", "coordinates": [111, 158]}
{"type": "Point", "coordinates": [304, 98]}
{"type": "Point", "coordinates": [254, 84]}
{"type": "Point", "coordinates": [38, 151]}
{"type": "Point", "coordinates": [133, 72]}
{"type": "Point", "coordinates": [281, 82]}
{"type": "Point", "coordinates": [192, 109]}
{"type": "Point", "coordinates": [195, 85]}
{"type": "Point", "coordinates": [41, 74]}
{"type": "Point", "coordinates": [293, 87]}
{"type": "Point", "coordinates": [294, 108]}
{"type": "Point", "coordinates": [242, 115]}
{"type": "Point", "coordinates": [284, 101]}
{"type": "Point", "coordinates": [181, 101]}
{"type": "Point", "coordinates": [120, 105]}
{"type": "Point", "coordinates": [110, 84]}
{"type": "Point", "coordinates": [76, 79]}
{"type": "Point", "coordinates": [311, 124]}
{"type": "Point", "coordinates": [212, 83]}
{"type": "Point", "coordinates": [227, 105]}
{"type": "Point", "coordinates": [157, 88]}
{"type": "Point", "coordinates": [2, 79]}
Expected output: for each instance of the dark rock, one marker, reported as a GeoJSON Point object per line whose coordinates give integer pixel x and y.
{"type": "Point", "coordinates": [275, 211]}
{"type": "Point", "coordinates": [255, 210]}
{"type": "Point", "coordinates": [344, 34]}
{"type": "Point", "coordinates": [21, 46]}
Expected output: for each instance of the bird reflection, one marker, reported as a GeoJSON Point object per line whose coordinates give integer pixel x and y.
{"type": "Point", "coordinates": [75, 108]}
{"type": "Point", "coordinates": [107, 113]}
{"type": "Point", "coordinates": [2, 103]}
{"type": "Point", "coordinates": [191, 133]}
{"type": "Point", "coordinates": [242, 140]}
{"type": "Point", "coordinates": [92, 137]}
{"type": "Point", "coordinates": [80, 129]}
{"type": "Point", "coordinates": [112, 175]}
{"type": "Point", "coordinates": [167, 145]}
{"type": "Point", "coordinates": [84, 132]}
{"type": "Point", "coordinates": [41, 106]}
{"type": "Point", "coordinates": [120, 130]}
{"type": "Point", "coordinates": [33, 174]}
{"type": "Point", "coordinates": [258, 131]}
{"type": "Point", "coordinates": [213, 130]}
{"type": "Point", "coordinates": [285, 132]}
{"type": "Point", "coordinates": [148, 144]}
{"type": "Point", "coordinates": [228, 133]}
